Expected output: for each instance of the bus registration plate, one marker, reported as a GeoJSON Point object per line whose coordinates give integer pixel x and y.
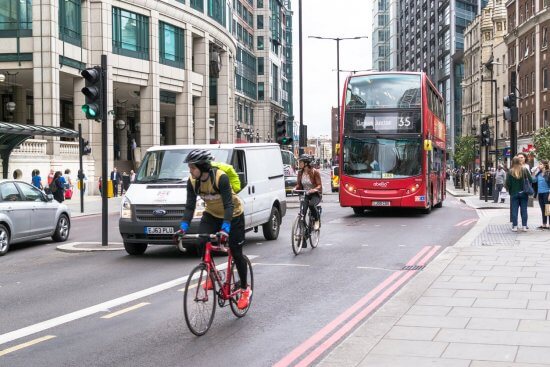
{"type": "Point", "coordinates": [380, 203]}
{"type": "Point", "coordinates": [159, 230]}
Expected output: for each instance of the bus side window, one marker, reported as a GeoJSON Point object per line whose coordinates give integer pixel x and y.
{"type": "Point", "coordinates": [239, 163]}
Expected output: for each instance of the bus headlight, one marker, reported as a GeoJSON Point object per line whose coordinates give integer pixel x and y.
{"type": "Point", "coordinates": [199, 208]}
{"type": "Point", "coordinates": [415, 187]}
{"type": "Point", "coordinates": [351, 188]}
{"type": "Point", "coordinates": [126, 209]}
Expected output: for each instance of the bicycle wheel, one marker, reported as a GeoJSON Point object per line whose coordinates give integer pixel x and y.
{"type": "Point", "coordinates": [298, 231]}
{"type": "Point", "coordinates": [236, 283]}
{"type": "Point", "coordinates": [199, 303]}
{"type": "Point", "coordinates": [313, 234]}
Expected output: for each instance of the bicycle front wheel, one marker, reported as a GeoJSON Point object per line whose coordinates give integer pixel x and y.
{"type": "Point", "coordinates": [199, 302]}
{"type": "Point", "coordinates": [236, 284]}
{"type": "Point", "coordinates": [313, 234]}
{"type": "Point", "coordinates": [298, 231]}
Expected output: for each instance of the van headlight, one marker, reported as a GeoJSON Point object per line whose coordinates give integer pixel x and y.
{"type": "Point", "coordinates": [199, 208]}
{"type": "Point", "coordinates": [126, 209]}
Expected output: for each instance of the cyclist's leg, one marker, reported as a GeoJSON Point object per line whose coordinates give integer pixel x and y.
{"type": "Point", "coordinates": [236, 243]}
{"type": "Point", "coordinates": [208, 224]}
{"type": "Point", "coordinates": [305, 205]}
{"type": "Point", "coordinates": [314, 200]}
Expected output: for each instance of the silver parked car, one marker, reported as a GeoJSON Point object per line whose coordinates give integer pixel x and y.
{"type": "Point", "coordinates": [26, 213]}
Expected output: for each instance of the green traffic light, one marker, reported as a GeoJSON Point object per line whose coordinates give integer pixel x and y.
{"type": "Point", "coordinates": [90, 111]}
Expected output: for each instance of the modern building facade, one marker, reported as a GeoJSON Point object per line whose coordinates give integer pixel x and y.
{"type": "Point", "coordinates": [179, 72]}
{"type": "Point", "coordinates": [384, 34]}
{"type": "Point", "coordinates": [431, 39]}
{"type": "Point", "coordinates": [528, 65]}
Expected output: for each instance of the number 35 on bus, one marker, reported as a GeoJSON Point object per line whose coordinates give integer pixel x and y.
{"type": "Point", "coordinates": [392, 135]}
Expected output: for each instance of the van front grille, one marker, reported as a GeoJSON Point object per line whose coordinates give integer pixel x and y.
{"type": "Point", "coordinates": [147, 213]}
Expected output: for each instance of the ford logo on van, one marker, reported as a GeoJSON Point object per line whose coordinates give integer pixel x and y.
{"type": "Point", "coordinates": [159, 212]}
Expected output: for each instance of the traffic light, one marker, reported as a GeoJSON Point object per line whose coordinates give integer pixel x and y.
{"type": "Point", "coordinates": [281, 133]}
{"type": "Point", "coordinates": [510, 108]}
{"type": "Point", "coordinates": [93, 91]}
{"type": "Point", "coordinates": [485, 134]}
{"type": "Point", "coordinates": [85, 147]}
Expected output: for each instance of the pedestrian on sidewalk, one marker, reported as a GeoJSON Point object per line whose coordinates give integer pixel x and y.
{"type": "Point", "coordinates": [57, 187]}
{"type": "Point", "coordinates": [36, 179]}
{"type": "Point", "coordinates": [515, 181]}
{"type": "Point", "coordinates": [115, 178]}
{"type": "Point", "coordinates": [50, 176]}
{"type": "Point", "coordinates": [500, 177]}
{"type": "Point", "coordinates": [542, 176]}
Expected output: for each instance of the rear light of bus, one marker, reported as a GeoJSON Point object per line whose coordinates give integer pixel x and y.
{"type": "Point", "coordinates": [350, 188]}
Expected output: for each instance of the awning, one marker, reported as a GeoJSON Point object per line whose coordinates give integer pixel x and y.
{"type": "Point", "coordinates": [12, 135]}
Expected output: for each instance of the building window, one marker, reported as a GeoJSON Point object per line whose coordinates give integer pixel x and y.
{"type": "Point", "coordinates": [533, 40]}
{"type": "Point", "coordinates": [171, 45]}
{"type": "Point", "coordinates": [545, 121]}
{"type": "Point", "coordinates": [216, 11]}
{"type": "Point", "coordinates": [499, 26]}
{"type": "Point", "coordinates": [544, 37]}
{"type": "Point", "coordinates": [533, 82]}
{"type": "Point", "coordinates": [275, 84]}
{"type": "Point", "coordinates": [261, 92]}
{"type": "Point", "coordinates": [544, 78]}
{"type": "Point", "coordinates": [260, 66]}
{"type": "Point", "coordinates": [130, 34]}
{"type": "Point", "coordinates": [197, 4]}
{"type": "Point", "coordinates": [533, 122]}
{"type": "Point", "coordinates": [16, 18]}
{"type": "Point", "coordinates": [70, 23]}
{"type": "Point", "coordinates": [260, 44]}
{"type": "Point", "coordinates": [260, 22]}
{"type": "Point", "coordinates": [260, 4]}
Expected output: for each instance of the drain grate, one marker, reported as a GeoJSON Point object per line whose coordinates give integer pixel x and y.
{"type": "Point", "coordinates": [496, 234]}
{"type": "Point", "coordinates": [413, 267]}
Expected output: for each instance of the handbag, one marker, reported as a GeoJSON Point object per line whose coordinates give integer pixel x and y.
{"type": "Point", "coordinates": [68, 194]}
{"type": "Point", "coordinates": [527, 187]}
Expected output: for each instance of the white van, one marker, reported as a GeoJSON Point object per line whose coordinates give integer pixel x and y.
{"type": "Point", "coordinates": [154, 204]}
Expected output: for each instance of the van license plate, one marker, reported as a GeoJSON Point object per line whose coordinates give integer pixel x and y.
{"type": "Point", "coordinates": [380, 203]}
{"type": "Point", "coordinates": [159, 230]}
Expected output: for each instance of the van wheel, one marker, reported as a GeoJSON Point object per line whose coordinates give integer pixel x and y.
{"type": "Point", "coordinates": [4, 240]}
{"type": "Point", "coordinates": [135, 248]}
{"type": "Point", "coordinates": [272, 227]}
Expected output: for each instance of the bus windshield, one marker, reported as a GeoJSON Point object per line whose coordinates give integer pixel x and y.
{"type": "Point", "coordinates": [168, 165]}
{"type": "Point", "coordinates": [388, 157]}
{"type": "Point", "coordinates": [384, 91]}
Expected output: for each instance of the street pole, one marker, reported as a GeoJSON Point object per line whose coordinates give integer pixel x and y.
{"type": "Point", "coordinates": [338, 88]}
{"type": "Point", "coordinates": [104, 156]}
{"type": "Point", "coordinates": [81, 171]}
{"type": "Point", "coordinates": [300, 140]}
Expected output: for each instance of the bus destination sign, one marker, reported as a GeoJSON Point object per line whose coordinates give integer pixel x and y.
{"type": "Point", "coordinates": [385, 122]}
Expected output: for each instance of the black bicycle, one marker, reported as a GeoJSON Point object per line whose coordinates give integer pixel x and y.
{"type": "Point", "coordinates": [304, 230]}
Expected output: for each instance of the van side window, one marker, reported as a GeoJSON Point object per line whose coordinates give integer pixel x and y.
{"type": "Point", "coordinates": [239, 163]}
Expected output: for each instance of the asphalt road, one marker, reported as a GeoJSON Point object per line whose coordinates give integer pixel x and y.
{"type": "Point", "coordinates": [295, 296]}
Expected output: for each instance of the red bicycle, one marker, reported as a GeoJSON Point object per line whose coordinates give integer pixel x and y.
{"type": "Point", "coordinates": [201, 295]}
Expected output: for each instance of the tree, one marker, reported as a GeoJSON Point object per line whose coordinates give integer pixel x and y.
{"type": "Point", "coordinates": [541, 141]}
{"type": "Point", "coordinates": [465, 152]}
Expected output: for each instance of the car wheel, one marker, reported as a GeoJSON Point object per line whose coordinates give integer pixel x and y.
{"type": "Point", "coordinates": [135, 248]}
{"type": "Point", "coordinates": [271, 228]}
{"type": "Point", "coordinates": [4, 240]}
{"type": "Point", "coordinates": [62, 229]}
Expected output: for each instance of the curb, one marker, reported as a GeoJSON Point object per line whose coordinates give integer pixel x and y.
{"type": "Point", "coordinates": [71, 247]}
{"type": "Point", "coordinates": [370, 332]}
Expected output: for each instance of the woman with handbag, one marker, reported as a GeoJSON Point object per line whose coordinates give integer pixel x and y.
{"type": "Point", "coordinates": [542, 176]}
{"type": "Point", "coordinates": [518, 184]}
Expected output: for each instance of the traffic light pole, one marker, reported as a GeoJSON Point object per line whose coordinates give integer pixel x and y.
{"type": "Point", "coordinates": [104, 157]}
{"type": "Point", "coordinates": [81, 171]}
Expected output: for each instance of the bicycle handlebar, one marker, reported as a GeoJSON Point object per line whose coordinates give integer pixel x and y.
{"type": "Point", "coordinates": [208, 236]}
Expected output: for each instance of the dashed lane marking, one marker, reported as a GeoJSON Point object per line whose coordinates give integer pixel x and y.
{"type": "Point", "coordinates": [25, 345]}
{"type": "Point", "coordinates": [284, 264]}
{"type": "Point", "coordinates": [123, 311]}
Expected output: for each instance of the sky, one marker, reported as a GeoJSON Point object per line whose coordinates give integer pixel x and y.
{"type": "Point", "coordinates": [328, 18]}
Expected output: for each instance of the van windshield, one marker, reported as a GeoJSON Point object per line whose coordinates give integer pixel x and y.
{"type": "Point", "coordinates": [169, 166]}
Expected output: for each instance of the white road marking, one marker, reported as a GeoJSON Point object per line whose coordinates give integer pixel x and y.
{"type": "Point", "coordinates": [101, 307]}
{"type": "Point", "coordinates": [25, 345]}
{"type": "Point", "coordinates": [128, 309]}
{"type": "Point", "coordinates": [266, 264]}
{"type": "Point", "coordinates": [374, 268]}
{"type": "Point", "coordinates": [364, 245]}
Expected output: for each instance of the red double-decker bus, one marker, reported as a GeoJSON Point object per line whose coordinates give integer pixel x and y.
{"type": "Point", "coordinates": [392, 142]}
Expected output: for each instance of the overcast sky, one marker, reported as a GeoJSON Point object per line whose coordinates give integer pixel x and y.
{"type": "Point", "coordinates": [342, 18]}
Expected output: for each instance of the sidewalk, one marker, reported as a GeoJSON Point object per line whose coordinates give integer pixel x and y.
{"type": "Point", "coordinates": [473, 200]}
{"type": "Point", "coordinates": [92, 205]}
{"type": "Point", "coordinates": [484, 302]}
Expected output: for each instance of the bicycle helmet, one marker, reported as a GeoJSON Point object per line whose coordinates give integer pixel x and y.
{"type": "Point", "coordinates": [306, 158]}
{"type": "Point", "coordinates": [198, 156]}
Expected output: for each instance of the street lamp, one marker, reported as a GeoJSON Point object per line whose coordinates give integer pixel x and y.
{"type": "Point", "coordinates": [338, 39]}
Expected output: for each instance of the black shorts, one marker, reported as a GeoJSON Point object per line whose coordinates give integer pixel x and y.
{"type": "Point", "coordinates": [211, 224]}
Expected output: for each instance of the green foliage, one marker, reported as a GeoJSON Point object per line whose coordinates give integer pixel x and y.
{"type": "Point", "coordinates": [541, 141]}
{"type": "Point", "coordinates": [465, 150]}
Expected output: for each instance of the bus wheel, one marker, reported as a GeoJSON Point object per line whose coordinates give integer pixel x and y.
{"type": "Point", "coordinates": [358, 210]}
{"type": "Point", "coordinates": [439, 205]}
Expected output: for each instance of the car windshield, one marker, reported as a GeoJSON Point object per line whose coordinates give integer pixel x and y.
{"type": "Point", "coordinates": [384, 91]}
{"type": "Point", "coordinates": [387, 158]}
{"type": "Point", "coordinates": [169, 166]}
